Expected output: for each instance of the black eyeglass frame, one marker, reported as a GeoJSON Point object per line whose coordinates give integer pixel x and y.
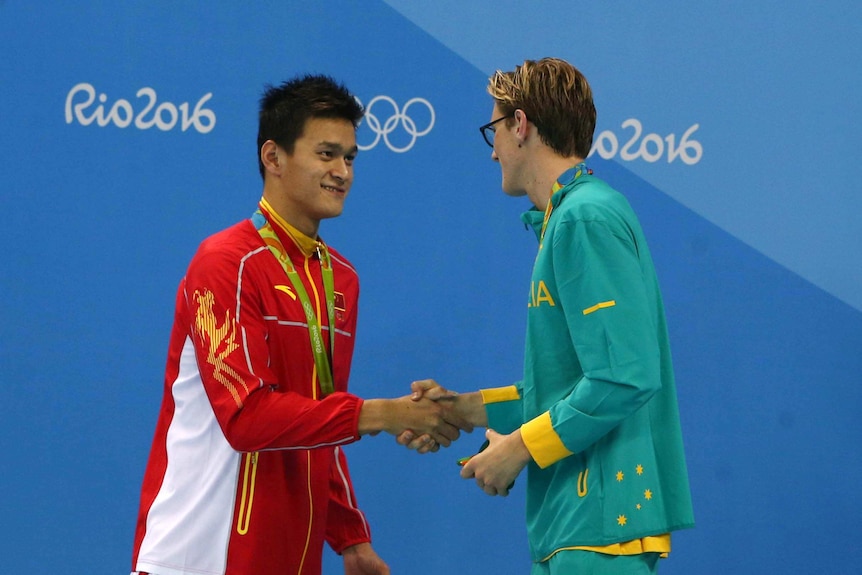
{"type": "Point", "coordinates": [489, 127]}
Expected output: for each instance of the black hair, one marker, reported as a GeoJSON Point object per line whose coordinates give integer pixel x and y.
{"type": "Point", "coordinates": [285, 109]}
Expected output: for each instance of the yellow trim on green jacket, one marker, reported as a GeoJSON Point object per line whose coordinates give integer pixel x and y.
{"type": "Point", "coordinates": [499, 394]}
{"type": "Point", "coordinates": [542, 441]}
{"type": "Point", "coordinates": [655, 544]}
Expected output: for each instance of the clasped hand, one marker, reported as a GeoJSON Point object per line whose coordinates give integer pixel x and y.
{"type": "Point", "coordinates": [496, 467]}
{"type": "Point", "coordinates": [428, 391]}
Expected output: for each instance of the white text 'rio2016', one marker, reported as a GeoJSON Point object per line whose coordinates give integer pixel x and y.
{"type": "Point", "coordinates": [165, 116]}
{"type": "Point", "coordinates": [652, 146]}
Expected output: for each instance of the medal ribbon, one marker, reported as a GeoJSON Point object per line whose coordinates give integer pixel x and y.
{"type": "Point", "coordinates": [318, 347]}
{"type": "Point", "coordinates": [564, 180]}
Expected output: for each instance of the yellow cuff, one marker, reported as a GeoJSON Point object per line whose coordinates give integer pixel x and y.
{"type": "Point", "coordinates": [542, 441]}
{"type": "Point", "coordinates": [499, 394]}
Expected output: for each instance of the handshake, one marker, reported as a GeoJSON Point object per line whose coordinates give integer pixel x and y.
{"type": "Point", "coordinates": [430, 417]}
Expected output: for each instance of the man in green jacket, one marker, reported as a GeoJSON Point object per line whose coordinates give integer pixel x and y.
{"type": "Point", "coordinates": [595, 418]}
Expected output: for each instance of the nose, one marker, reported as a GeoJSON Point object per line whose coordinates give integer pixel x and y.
{"type": "Point", "coordinates": [340, 170]}
{"type": "Point", "coordinates": [494, 155]}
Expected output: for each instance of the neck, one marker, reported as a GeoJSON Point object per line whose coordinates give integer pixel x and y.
{"type": "Point", "coordinates": [548, 168]}
{"type": "Point", "coordinates": [283, 210]}
{"type": "Point", "coordinates": [307, 244]}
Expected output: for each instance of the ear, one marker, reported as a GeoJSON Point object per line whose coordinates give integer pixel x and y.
{"type": "Point", "coordinates": [522, 125]}
{"type": "Point", "coordinates": [269, 157]}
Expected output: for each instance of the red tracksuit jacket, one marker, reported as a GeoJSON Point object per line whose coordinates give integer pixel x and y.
{"type": "Point", "coordinates": [246, 474]}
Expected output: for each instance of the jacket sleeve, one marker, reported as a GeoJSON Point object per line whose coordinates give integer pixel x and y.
{"type": "Point", "coordinates": [224, 313]}
{"type": "Point", "coordinates": [345, 523]}
{"type": "Point", "coordinates": [602, 290]}
{"type": "Point", "coordinates": [504, 407]}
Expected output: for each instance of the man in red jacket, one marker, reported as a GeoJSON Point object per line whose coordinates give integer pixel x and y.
{"type": "Point", "coordinates": [246, 474]}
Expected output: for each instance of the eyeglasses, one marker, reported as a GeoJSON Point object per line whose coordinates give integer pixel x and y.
{"type": "Point", "coordinates": [488, 130]}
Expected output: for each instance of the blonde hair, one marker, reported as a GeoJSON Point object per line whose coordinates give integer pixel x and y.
{"type": "Point", "coordinates": [555, 96]}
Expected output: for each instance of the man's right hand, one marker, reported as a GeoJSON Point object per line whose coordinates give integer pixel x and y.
{"type": "Point", "coordinates": [464, 411]}
{"type": "Point", "coordinates": [431, 415]}
{"type": "Point", "coordinates": [423, 415]}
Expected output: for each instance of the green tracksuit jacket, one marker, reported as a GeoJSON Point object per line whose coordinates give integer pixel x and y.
{"type": "Point", "coordinates": [597, 406]}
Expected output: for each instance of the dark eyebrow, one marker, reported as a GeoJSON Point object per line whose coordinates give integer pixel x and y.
{"type": "Point", "coordinates": [336, 147]}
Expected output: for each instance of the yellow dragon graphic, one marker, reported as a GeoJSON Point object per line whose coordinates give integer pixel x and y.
{"type": "Point", "coordinates": [220, 340]}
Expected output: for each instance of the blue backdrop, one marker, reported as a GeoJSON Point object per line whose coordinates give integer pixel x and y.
{"type": "Point", "coordinates": [129, 135]}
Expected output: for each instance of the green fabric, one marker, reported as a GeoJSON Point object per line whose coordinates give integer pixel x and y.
{"type": "Point", "coordinates": [577, 562]}
{"type": "Point", "coordinates": [506, 415]}
{"type": "Point", "coordinates": [606, 378]}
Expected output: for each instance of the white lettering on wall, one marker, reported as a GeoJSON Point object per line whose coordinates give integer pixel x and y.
{"type": "Point", "coordinates": [163, 115]}
{"type": "Point", "coordinates": [650, 147]}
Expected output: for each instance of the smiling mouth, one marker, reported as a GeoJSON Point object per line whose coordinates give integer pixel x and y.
{"type": "Point", "coordinates": [333, 189]}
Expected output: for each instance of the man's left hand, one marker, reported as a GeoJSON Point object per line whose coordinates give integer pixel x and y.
{"type": "Point", "coordinates": [361, 559]}
{"type": "Point", "coordinates": [499, 464]}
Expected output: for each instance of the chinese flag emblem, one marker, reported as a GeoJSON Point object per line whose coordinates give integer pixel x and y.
{"type": "Point", "coordinates": [339, 305]}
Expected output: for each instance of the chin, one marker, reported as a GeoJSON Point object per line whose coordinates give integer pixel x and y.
{"type": "Point", "coordinates": [512, 191]}
{"type": "Point", "coordinates": [516, 193]}
{"type": "Point", "coordinates": [332, 214]}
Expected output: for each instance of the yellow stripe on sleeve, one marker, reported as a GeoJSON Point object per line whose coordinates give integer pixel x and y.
{"type": "Point", "coordinates": [499, 394]}
{"type": "Point", "coordinates": [598, 306]}
{"type": "Point", "coordinates": [542, 441]}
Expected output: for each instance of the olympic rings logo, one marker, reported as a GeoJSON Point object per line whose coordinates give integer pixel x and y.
{"type": "Point", "coordinates": [398, 118]}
